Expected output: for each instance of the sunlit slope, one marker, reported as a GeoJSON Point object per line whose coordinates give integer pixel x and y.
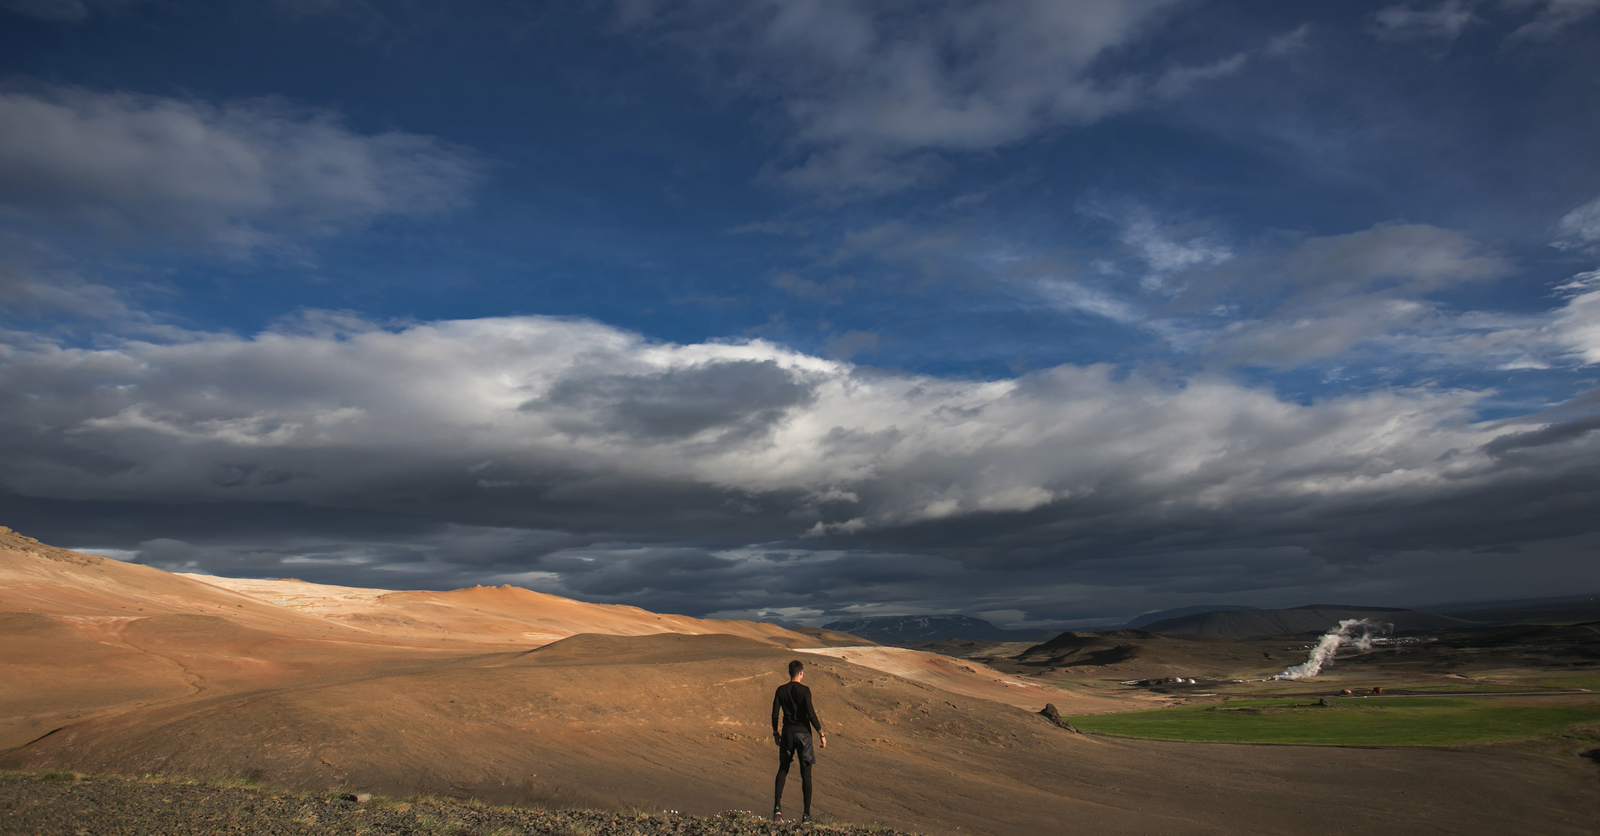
{"type": "Point", "coordinates": [44, 580]}
{"type": "Point", "coordinates": [84, 635]}
{"type": "Point", "coordinates": [496, 615]}
{"type": "Point", "coordinates": [971, 679]}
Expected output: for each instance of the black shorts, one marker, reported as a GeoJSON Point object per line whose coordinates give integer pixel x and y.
{"type": "Point", "coordinates": [795, 740]}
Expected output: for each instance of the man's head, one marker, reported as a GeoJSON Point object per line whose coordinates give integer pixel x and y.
{"type": "Point", "coordinates": [796, 670]}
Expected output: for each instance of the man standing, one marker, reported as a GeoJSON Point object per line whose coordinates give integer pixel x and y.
{"type": "Point", "coordinates": [792, 702]}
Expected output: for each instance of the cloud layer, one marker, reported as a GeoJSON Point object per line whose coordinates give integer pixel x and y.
{"type": "Point", "coordinates": [874, 88]}
{"type": "Point", "coordinates": [618, 448]}
{"type": "Point", "coordinates": [238, 175]}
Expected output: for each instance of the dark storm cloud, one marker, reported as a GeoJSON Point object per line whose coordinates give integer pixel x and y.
{"type": "Point", "coordinates": [1553, 434]}
{"type": "Point", "coordinates": [744, 477]}
{"type": "Point", "coordinates": [737, 399]}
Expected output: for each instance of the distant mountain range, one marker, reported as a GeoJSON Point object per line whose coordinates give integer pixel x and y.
{"type": "Point", "coordinates": [921, 629]}
{"type": "Point", "coordinates": [1239, 621]}
{"type": "Point", "coordinates": [1316, 618]}
{"type": "Point", "coordinates": [1162, 615]}
{"type": "Point", "coordinates": [1567, 609]}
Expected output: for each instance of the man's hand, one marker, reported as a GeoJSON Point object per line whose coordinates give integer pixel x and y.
{"type": "Point", "coordinates": [824, 743]}
{"type": "Point", "coordinates": [777, 738]}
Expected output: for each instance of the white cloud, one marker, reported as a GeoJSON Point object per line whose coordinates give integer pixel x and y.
{"type": "Point", "coordinates": [1164, 253]}
{"type": "Point", "coordinates": [1579, 228]}
{"type": "Point", "coordinates": [1449, 18]}
{"type": "Point", "coordinates": [1330, 294]}
{"type": "Point", "coordinates": [241, 175]}
{"type": "Point", "coordinates": [1404, 21]}
{"type": "Point", "coordinates": [35, 280]}
{"type": "Point", "coordinates": [1576, 326]}
{"type": "Point", "coordinates": [1069, 295]}
{"type": "Point", "coordinates": [1552, 17]}
{"type": "Point", "coordinates": [873, 88]}
{"type": "Point", "coordinates": [1289, 43]}
{"type": "Point", "coordinates": [1317, 300]}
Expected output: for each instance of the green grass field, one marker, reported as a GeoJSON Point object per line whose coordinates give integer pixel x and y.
{"type": "Point", "coordinates": [1590, 682]}
{"type": "Point", "coordinates": [1424, 721]}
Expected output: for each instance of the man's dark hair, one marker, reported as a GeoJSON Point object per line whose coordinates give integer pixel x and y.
{"type": "Point", "coordinates": [795, 667]}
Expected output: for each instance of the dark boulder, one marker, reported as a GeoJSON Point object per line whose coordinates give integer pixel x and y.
{"type": "Point", "coordinates": [1050, 713]}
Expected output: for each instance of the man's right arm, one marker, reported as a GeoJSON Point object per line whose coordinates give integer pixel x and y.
{"type": "Point", "coordinates": [811, 717]}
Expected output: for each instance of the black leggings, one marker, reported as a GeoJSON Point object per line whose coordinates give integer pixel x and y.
{"type": "Point", "coordinates": [783, 777]}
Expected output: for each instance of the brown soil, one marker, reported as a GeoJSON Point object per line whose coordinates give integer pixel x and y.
{"type": "Point", "coordinates": [303, 697]}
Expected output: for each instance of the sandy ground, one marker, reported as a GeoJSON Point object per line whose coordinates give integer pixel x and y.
{"type": "Point", "coordinates": [123, 669]}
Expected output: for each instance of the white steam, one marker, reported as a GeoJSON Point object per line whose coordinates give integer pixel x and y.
{"type": "Point", "coordinates": [1328, 646]}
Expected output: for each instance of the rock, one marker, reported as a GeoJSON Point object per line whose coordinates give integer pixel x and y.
{"type": "Point", "coordinates": [1324, 701]}
{"type": "Point", "coordinates": [1050, 713]}
{"type": "Point", "coordinates": [358, 797]}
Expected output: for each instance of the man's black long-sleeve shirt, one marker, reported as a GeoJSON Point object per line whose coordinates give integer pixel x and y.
{"type": "Point", "coordinates": [792, 702]}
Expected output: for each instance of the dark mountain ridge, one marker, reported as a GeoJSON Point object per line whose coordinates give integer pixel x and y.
{"type": "Point", "coordinates": [1314, 618]}
{"type": "Point", "coordinates": [1163, 615]}
{"type": "Point", "coordinates": [909, 630]}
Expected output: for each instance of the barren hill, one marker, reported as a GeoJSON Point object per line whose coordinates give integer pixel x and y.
{"type": "Point", "coordinates": [86, 634]}
{"type": "Point", "coordinates": [492, 614]}
{"type": "Point", "coordinates": [1135, 654]}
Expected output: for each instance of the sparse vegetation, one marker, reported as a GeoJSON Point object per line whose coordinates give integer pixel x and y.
{"type": "Point", "coordinates": [1424, 721]}
{"type": "Point", "coordinates": [247, 779]}
{"type": "Point", "coordinates": [154, 806]}
{"type": "Point", "coordinates": [1465, 688]}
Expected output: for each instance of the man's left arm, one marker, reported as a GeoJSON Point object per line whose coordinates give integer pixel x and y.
{"type": "Point", "coordinates": [777, 712]}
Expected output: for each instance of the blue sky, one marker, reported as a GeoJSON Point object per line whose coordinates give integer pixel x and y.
{"type": "Point", "coordinates": [1052, 313]}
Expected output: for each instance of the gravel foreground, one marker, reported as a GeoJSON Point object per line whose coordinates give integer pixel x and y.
{"type": "Point", "coordinates": [65, 804]}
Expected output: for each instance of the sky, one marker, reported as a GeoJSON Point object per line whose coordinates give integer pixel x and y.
{"type": "Point", "coordinates": [1050, 313]}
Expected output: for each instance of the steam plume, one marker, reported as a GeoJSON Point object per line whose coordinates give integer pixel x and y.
{"type": "Point", "coordinates": [1329, 644]}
